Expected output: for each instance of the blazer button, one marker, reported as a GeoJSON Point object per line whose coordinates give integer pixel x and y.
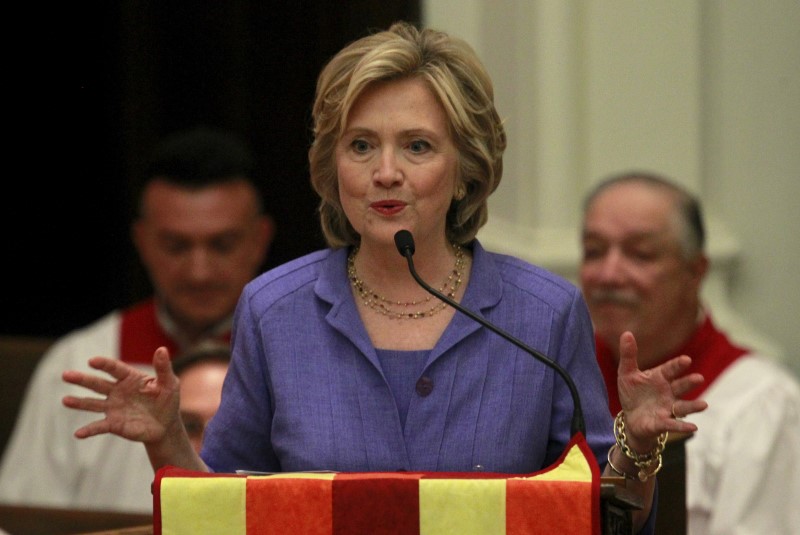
{"type": "Point", "coordinates": [424, 386]}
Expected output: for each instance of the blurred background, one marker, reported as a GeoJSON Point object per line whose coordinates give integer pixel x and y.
{"type": "Point", "coordinates": [705, 91]}
{"type": "Point", "coordinates": [95, 84]}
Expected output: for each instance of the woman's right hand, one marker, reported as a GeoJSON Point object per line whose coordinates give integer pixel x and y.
{"type": "Point", "coordinates": [136, 406]}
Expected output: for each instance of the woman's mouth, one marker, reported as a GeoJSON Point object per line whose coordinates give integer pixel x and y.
{"type": "Point", "coordinates": [390, 207]}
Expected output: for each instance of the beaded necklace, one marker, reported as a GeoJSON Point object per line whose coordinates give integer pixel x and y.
{"type": "Point", "coordinates": [400, 309]}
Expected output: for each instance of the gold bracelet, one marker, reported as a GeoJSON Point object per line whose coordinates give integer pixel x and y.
{"type": "Point", "coordinates": [644, 462]}
{"type": "Point", "coordinates": [614, 468]}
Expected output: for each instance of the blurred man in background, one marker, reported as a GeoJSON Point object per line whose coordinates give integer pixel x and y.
{"type": "Point", "coordinates": [201, 373]}
{"type": "Point", "coordinates": [643, 265]}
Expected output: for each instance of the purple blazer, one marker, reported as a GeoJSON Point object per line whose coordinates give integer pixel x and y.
{"type": "Point", "coordinates": [305, 390]}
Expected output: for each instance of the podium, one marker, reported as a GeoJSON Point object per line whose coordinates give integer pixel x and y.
{"type": "Point", "coordinates": [568, 497]}
{"type": "Point", "coordinates": [548, 501]}
{"type": "Point", "coordinates": [616, 505]}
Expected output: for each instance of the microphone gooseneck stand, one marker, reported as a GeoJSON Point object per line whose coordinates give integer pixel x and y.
{"type": "Point", "coordinates": [404, 242]}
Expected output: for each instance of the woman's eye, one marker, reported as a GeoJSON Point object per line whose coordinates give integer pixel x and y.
{"type": "Point", "coordinates": [418, 146]}
{"type": "Point", "coordinates": [360, 146]}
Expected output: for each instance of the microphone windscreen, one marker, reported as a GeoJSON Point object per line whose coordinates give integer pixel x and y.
{"type": "Point", "coordinates": [404, 241]}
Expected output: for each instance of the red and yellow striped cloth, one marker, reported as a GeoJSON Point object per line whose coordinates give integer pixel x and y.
{"type": "Point", "coordinates": [563, 499]}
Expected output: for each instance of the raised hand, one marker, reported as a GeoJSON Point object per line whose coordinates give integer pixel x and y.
{"type": "Point", "coordinates": [651, 398]}
{"type": "Point", "coordinates": [136, 406]}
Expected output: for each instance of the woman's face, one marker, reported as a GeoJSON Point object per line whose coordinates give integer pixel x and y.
{"type": "Point", "coordinates": [397, 163]}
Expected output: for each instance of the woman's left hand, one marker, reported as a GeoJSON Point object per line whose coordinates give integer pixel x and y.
{"type": "Point", "coordinates": [651, 399]}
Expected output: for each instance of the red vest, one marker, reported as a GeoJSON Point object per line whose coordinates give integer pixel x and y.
{"type": "Point", "coordinates": [141, 334]}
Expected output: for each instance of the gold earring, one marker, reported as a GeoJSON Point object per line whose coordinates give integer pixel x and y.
{"type": "Point", "coordinates": [460, 193]}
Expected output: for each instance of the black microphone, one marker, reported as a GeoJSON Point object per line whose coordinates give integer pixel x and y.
{"type": "Point", "coordinates": [404, 242]}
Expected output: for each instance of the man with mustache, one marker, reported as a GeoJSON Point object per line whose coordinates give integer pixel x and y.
{"type": "Point", "coordinates": [643, 265]}
{"type": "Point", "coordinates": [201, 233]}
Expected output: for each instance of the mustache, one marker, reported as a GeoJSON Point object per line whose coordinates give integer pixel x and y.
{"type": "Point", "coordinates": [614, 297]}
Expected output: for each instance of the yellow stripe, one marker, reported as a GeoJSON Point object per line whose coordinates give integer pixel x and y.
{"type": "Point", "coordinates": [462, 506]}
{"type": "Point", "coordinates": [207, 505]}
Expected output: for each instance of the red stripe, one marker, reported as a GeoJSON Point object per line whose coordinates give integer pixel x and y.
{"type": "Point", "coordinates": [377, 504]}
{"type": "Point", "coordinates": [562, 507]}
{"type": "Point", "coordinates": [277, 506]}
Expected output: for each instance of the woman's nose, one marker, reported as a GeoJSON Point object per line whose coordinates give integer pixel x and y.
{"type": "Point", "coordinates": [388, 171]}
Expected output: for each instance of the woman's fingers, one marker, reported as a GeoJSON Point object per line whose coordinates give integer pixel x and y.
{"type": "Point", "coordinates": [674, 368]}
{"type": "Point", "coordinates": [92, 382]}
{"type": "Point", "coordinates": [682, 408]}
{"type": "Point", "coordinates": [95, 428]}
{"type": "Point", "coordinates": [628, 352]}
{"type": "Point", "coordinates": [114, 367]}
{"type": "Point", "coordinates": [134, 403]}
{"type": "Point", "coordinates": [163, 366]}
{"type": "Point", "coordinates": [84, 404]}
{"type": "Point", "coordinates": [682, 385]}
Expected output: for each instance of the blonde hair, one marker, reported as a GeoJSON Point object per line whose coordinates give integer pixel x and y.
{"type": "Point", "coordinates": [462, 85]}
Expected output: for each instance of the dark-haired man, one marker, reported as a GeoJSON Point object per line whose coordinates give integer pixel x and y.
{"type": "Point", "coordinates": [202, 234]}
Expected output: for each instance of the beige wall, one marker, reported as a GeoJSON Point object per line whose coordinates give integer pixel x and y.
{"type": "Point", "coordinates": [707, 92]}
